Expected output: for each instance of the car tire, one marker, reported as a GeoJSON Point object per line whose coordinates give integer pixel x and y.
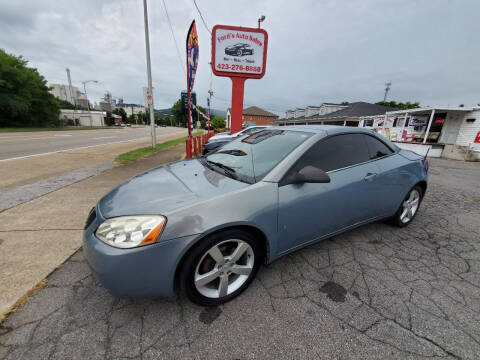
{"type": "Point", "coordinates": [239, 53]}
{"type": "Point", "coordinates": [209, 280]}
{"type": "Point", "coordinates": [408, 208]}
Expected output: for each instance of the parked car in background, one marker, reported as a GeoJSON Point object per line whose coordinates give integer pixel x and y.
{"type": "Point", "coordinates": [248, 123]}
{"type": "Point", "coordinates": [214, 145]}
{"type": "Point", "coordinates": [249, 130]}
{"type": "Point", "coordinates": [208, 224]}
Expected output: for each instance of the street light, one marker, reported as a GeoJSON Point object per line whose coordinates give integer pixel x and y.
{"type": "Point", "coordinates": [260, 19]}
{"type": "Point", "coordinates": [88, 102]}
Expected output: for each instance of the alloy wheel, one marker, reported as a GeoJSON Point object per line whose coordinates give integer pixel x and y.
{"type": "Point", "coordinates": [410, 206]}
{"type": "Point", "coordinates": [224, 268]}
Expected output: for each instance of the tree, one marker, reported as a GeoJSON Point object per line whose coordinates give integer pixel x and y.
{"type": "Point", "coordinates": [178, 114]}
{"type": "Point", "coordinates": [461, 105]}
{"type": "Point", "coordinates": [68, 105]}
{"type": "Point", "coordinates": [399, 105]}
{"type": "Point", "coordinates": [25, 99]}
{"type": "Point", "coordinates": [218, 122]}
{"type": "Point", "coordinates": [121, 112]}
{"type": "Point", "coordinates": [180, 117]}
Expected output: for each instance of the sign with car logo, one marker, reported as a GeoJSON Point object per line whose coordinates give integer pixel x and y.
{"type": "Point", "coordinates": [239, 51]}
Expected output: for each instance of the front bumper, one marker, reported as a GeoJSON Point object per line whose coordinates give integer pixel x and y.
{"type": "Point", "coordinates": [144, 271]}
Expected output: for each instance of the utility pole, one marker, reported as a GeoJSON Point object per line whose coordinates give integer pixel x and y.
{"type": "Point", "coordinates": [71, 95]}
{"type": "Point", "coordinates": [387, 89]}
{"type": "Point", "coordinates": [149, 75]}
{"type": "Point", "coordinates": [88, 103]}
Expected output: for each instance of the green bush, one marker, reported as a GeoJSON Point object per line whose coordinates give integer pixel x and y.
{"type": "Point", "coordinates": [218, 122]}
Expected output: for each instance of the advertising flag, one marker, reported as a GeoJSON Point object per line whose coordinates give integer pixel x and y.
{"type": "Point", "coordinates": [192, 63]}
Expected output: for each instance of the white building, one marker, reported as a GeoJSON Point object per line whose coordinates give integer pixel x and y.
{"type": "Point", "coordinates": [228, 119]}
{"type": "Point", "coordinates": [83, 117]}
{"type": "Point", "coordinates": [63, 92]}
{"type": "Point", "coordinates": [313, 111]}
{"type": "Point", "coordinates": [449, 132]}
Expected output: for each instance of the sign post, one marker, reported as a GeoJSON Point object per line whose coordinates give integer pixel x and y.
{"type": "Point", "coordinates": [239, 53]}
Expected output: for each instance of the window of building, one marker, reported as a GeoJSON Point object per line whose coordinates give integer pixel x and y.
{"type": "Point", "coordinates": [368, 123]}
{"type": "Point", "coordinates": [336, 152]}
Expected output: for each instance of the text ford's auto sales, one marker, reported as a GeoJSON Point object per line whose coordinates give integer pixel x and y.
{"type": "Point", "coordinates": [239, 52]}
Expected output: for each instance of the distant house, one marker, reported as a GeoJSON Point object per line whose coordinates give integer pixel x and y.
{"type": "Point", "coordinates": [351, 114]}
{"type": "Point", "coordinates": [253, 114]}
{"type": "Point", "coordinates": [258, 116]}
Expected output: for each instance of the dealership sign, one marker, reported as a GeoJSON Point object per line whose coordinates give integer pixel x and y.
{"type": "Point", "coordinates": [239, 53]}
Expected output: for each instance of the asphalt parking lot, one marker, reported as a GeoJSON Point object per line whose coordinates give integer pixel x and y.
{"type": "Point", "coordinates": [374, 292]}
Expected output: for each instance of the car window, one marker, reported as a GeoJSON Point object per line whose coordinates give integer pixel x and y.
{"type": "Point", "coordinates": [252, 157]}
{"type": "Point", "coordinates": [335, 152]}
{"type": "Point", "coordinates": [377, 148]}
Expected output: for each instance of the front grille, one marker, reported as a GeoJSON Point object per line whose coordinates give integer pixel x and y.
{"type": "Point", "coordinates": [91, 217]}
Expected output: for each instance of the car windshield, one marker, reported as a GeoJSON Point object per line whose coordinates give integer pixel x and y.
{"type": "Point", "coordinates": [250, 158]}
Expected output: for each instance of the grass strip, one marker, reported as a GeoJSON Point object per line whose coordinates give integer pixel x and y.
{"type": "Point", "coordinates": [140, 153]}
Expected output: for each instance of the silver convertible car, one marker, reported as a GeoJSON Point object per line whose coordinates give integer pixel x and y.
{"type": "Point", "coordinates": [206, 225]}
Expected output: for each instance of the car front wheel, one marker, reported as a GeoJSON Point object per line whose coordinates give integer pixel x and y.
{"type": "Point", "coordinates": [221, 267]}
{"type": "Point", "coordinates": [408, 208]}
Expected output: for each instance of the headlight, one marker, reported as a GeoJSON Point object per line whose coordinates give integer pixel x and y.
{"type": "Point", "coordinates": [131, 231]}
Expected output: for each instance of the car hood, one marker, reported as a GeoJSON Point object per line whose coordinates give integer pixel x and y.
{"type": "Point", "coordinates": [165, 189]}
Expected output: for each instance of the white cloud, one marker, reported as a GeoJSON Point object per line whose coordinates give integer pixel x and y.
{"type": "Point", "coordinates": [330, 50]}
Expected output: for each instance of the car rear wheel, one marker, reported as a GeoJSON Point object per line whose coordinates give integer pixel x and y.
{"type": "Point", "coordinates": [221, 267]}
{"type": "Point", "coordinates": [240, 52]}
{"type": "Point", "coordinates": [408, 208]}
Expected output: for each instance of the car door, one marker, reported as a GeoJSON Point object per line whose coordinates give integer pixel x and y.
{"type": "Point", "coordinates": [308, 212]}
{"type": "Point", "coordinates": [391, 183]}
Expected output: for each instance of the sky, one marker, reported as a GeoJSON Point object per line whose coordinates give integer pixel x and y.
{"type": "Point", "coordinates": [318, 51]}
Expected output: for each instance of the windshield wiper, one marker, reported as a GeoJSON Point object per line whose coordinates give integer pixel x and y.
{"type": "Point", "coordinates": [222, 166]}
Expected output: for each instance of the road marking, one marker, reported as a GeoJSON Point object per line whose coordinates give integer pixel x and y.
{"type": "Point", "coordinates": [63, 135]}
{"type": "Point", "coordinates": [104, 137]}
{"type": "Point", "coordinates": [83, 147]}
{"type": "Point", "coordinates": [27, 138]}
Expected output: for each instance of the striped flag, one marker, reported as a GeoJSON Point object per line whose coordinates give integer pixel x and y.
{"type": "Point", "coordinates": [192, 63]}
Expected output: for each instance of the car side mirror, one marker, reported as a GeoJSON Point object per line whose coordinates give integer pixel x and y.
{"type": "Point", "coordinates": [310, 174]}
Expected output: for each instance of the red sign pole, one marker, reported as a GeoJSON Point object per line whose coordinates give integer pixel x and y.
{"type": "Point", "coordinates": [238, 84]}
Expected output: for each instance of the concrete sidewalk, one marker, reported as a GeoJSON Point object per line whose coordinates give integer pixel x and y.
{"type": "Point", "coordinates": [37, 236]}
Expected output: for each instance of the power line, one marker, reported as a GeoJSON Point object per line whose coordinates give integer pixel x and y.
{"type": "Point", "coordinates": [201, 17]}
{"type": "Point", "coordinates": [180, 59]}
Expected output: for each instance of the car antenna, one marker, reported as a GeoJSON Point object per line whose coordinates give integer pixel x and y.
{"type": "Point", "coordinates": [425, 158]}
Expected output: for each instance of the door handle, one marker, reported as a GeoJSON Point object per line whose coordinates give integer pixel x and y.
{"type": "Point", "coordinates": [369, 176]}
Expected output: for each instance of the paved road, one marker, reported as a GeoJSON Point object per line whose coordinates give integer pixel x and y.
{"type": "Point", "coordinates": [15, 145]}
{"type": "Point", "coordinates": [375, 292]}
{"type": "Point", "coordinates": [87, 149]}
